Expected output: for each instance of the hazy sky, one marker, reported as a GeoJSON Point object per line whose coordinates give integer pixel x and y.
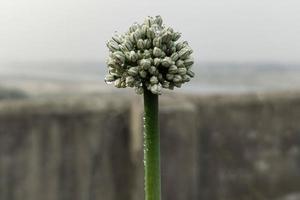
{"type": "Point", "coordinates": [218, 30]}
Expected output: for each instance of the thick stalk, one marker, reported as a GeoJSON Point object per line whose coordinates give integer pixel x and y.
{"type": "Point", "coordinates": [151, 147]}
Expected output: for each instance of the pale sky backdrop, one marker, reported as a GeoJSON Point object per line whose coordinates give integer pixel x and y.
{"type": "Point", "coordinates": [218, 30]}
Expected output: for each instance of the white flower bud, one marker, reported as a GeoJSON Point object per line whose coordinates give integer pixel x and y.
{"type": "Point", "coordinates": [176, 36]}
{"type": "Point", "coordinates": [117, 39]}
{"type": "Point", "coordinates": [153, 80]}
{"type": "Point", "coordinates": [182, 71]}
{"type": "Point", "coordinates": [134, 27]}
{"type": "Point", "coordinates": [180, 64]}
{"type": "Point", "coordinates": [123, 48]}
{"type": "Point", "coordinates": [140, 44]}
{"type": "Point", "coordinates": [128, 45]}
{"type": "Point", "coordinates": [148, 21]}
{"type": "Point", "coordinates": [157, 42]}
{"type": "Point", "coordinates": [190, 73]}
{"type": "Point", "coordinates": [157, 52]}
{"type": "Point", "coordinates": [173, 69]}
{"type": "Point", "coordinates": [166, 84]}
{"type": "Point", "coordinates": [152, 70]}
{"type": "Point", "coordinates": [150, 33]}
{"type": "Point", "coordinates": [133, 71]}
{"type": "Point", "coordinates": [167, 37]}
{"type": "Point", "coordinates": [139, 90]}
{"type": "Point", "coordinates": [170, 77]}
{"type": "Point", "coordinates": [179, 46]}
{"type": "Point", "coordinates": [157, 61]}
{"type": "Point", "coordinates": [188, 62]}
{"type": "Point", "coordinates": [145, 63]}
{"type": "Point", "coordinates": [145, 28]}
{"type": "Point", "coordinates": [158, 20]}
{"type": "Point", "coordinates": [147, 43]}
{"type": "Point", "coordinates": [118, 83]}
{"type": "Point", "coordinates": [175, 56]}
{"type": "Point", "coordinates": [130, 81]}
{"type": "Point", "coordinates": [177, 79]}
{"type": "Point", "coordinates": [186, 78]}
{"type": "Point", "coordinates": [113, 46]}
{"type": "Point", "coordinates": [166, 62]}
{"type": "Point", "coordinates": [137, 35]}
{"type": "Point", "coordinates": [109, 78]}
{"type": "Point", "coordinates": [133, 56]}
{"type": "Point", "coordinates": [156, 89]}
{"type": "Point", "coordinates": [119, 56]}
{"type": "Point", "coordinates": [147, 54]}
{"type": "Point", "coordinates": [143, 73]}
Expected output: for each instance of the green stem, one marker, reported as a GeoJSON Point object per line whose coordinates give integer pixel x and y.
{"type": "Point", "coordinates": [151, 147]}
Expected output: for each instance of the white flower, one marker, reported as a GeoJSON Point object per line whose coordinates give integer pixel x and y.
{"type": "Point", "coordinates": [149, 56]}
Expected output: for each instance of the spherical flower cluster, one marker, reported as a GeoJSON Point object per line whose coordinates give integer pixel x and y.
{"type": "Point", "coordinates": [148, 56]}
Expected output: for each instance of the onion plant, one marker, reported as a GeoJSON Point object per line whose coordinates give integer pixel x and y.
{"type": "Point", "coordinates": [149, 58]}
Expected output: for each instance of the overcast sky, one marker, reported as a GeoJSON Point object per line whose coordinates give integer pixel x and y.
{"type": "Point", "coordinates": [218, 30]}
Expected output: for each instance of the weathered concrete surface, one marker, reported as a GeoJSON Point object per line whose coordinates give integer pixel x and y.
{"type": "Point", "coordinates": [64, 150]}
{"type": "Point", "coordinates": [249, 147]}
{"type": "Point", "coordinates": [213, 148]}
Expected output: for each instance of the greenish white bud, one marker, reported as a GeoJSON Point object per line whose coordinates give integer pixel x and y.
{"type": "Point", "coordinates": [113, 46]}
{"type": "Point", "coordinates": [173, 69]}
{"type": "Point", "coordinates": [133, 56]}
{"type": "Point", "coordinates": [148, 21]}
{"type": "Point", "coordinates": [118, 83]}
{"type": "Point", "coordinates": [158, 20]}
{"type": "Point", "coordinates": [166, 84]}
{"type": "Point", "coordinates": [189, 62]}
{"type": "Point", "coordinates": [180, 64]}
{"type": "Point", "coordinates": [109, 78]}
{"type": "Point", "coordinates": [150, 33]}
{"type": "Point", "coordinates": [130, 81]}
{"type": "Point", "coordinates": [152, 70]}
{"type": "Point", "coordinates": [180, 45]}
{"type": "Point", "coordinates": [170, 77]}
{"type": "Point", "coordinates": [153, 80]}
{"type": "Point", "coordinates": [133, 28]}
{"type": "Point", "coordinates": [167, 37]}
{"type": "Point", "coordinates": [182, 71]}
{"type": "Point", "coordinates": [143, 73]}
{"type": "Point", "coordinates": [140, 44]}
{"type": "Point", "coordinates": [145, 63]}
{"type": "Point", "coordinates": [119, 56]}
{"type": "Point", "coordinates": [117, 39]}
{"type": "Point", "coordinates": [157, 52]}
{"type": "Point", "coordinates": [156, 89]}
{"type": "Point", "coordinates": [133, 71]}
{"type": "Point", "coordinates": [176, 36]}
{"type": "Point", "coordinates": [175, 56]}
{"type": "Point", "coordinates": [147, 54]}
{"type": "Point", "coordinates": [166, 62]}
{"type": "Point", "coordinates": [157, 61]}
{"type": "Point", "coordinates": [177, 79]}
{"type": "Point", "coordinates": [139, 90]}
{"type": "Point", "coordinates": [186, 78]}
{"type": "Point", "coordinates": [190, 73]}
{"type": "Point", "coordinates": [157, 42]}
{"type": "Point", "coordinates": [147, 43]}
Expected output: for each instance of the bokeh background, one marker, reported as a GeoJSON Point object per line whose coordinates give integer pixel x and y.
{"type": "Point", "coordinates": [232, 133]}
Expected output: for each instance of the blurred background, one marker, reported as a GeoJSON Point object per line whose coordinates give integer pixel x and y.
{"type": "Point", "coordinates": [232, 133]}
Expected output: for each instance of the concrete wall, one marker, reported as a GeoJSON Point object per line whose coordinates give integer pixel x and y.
{"type": "Point", "coordinates": [213, 148]}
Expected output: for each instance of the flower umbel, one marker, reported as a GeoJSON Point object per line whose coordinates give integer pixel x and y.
{"type": "Point", "coordinates": [149, 57]}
